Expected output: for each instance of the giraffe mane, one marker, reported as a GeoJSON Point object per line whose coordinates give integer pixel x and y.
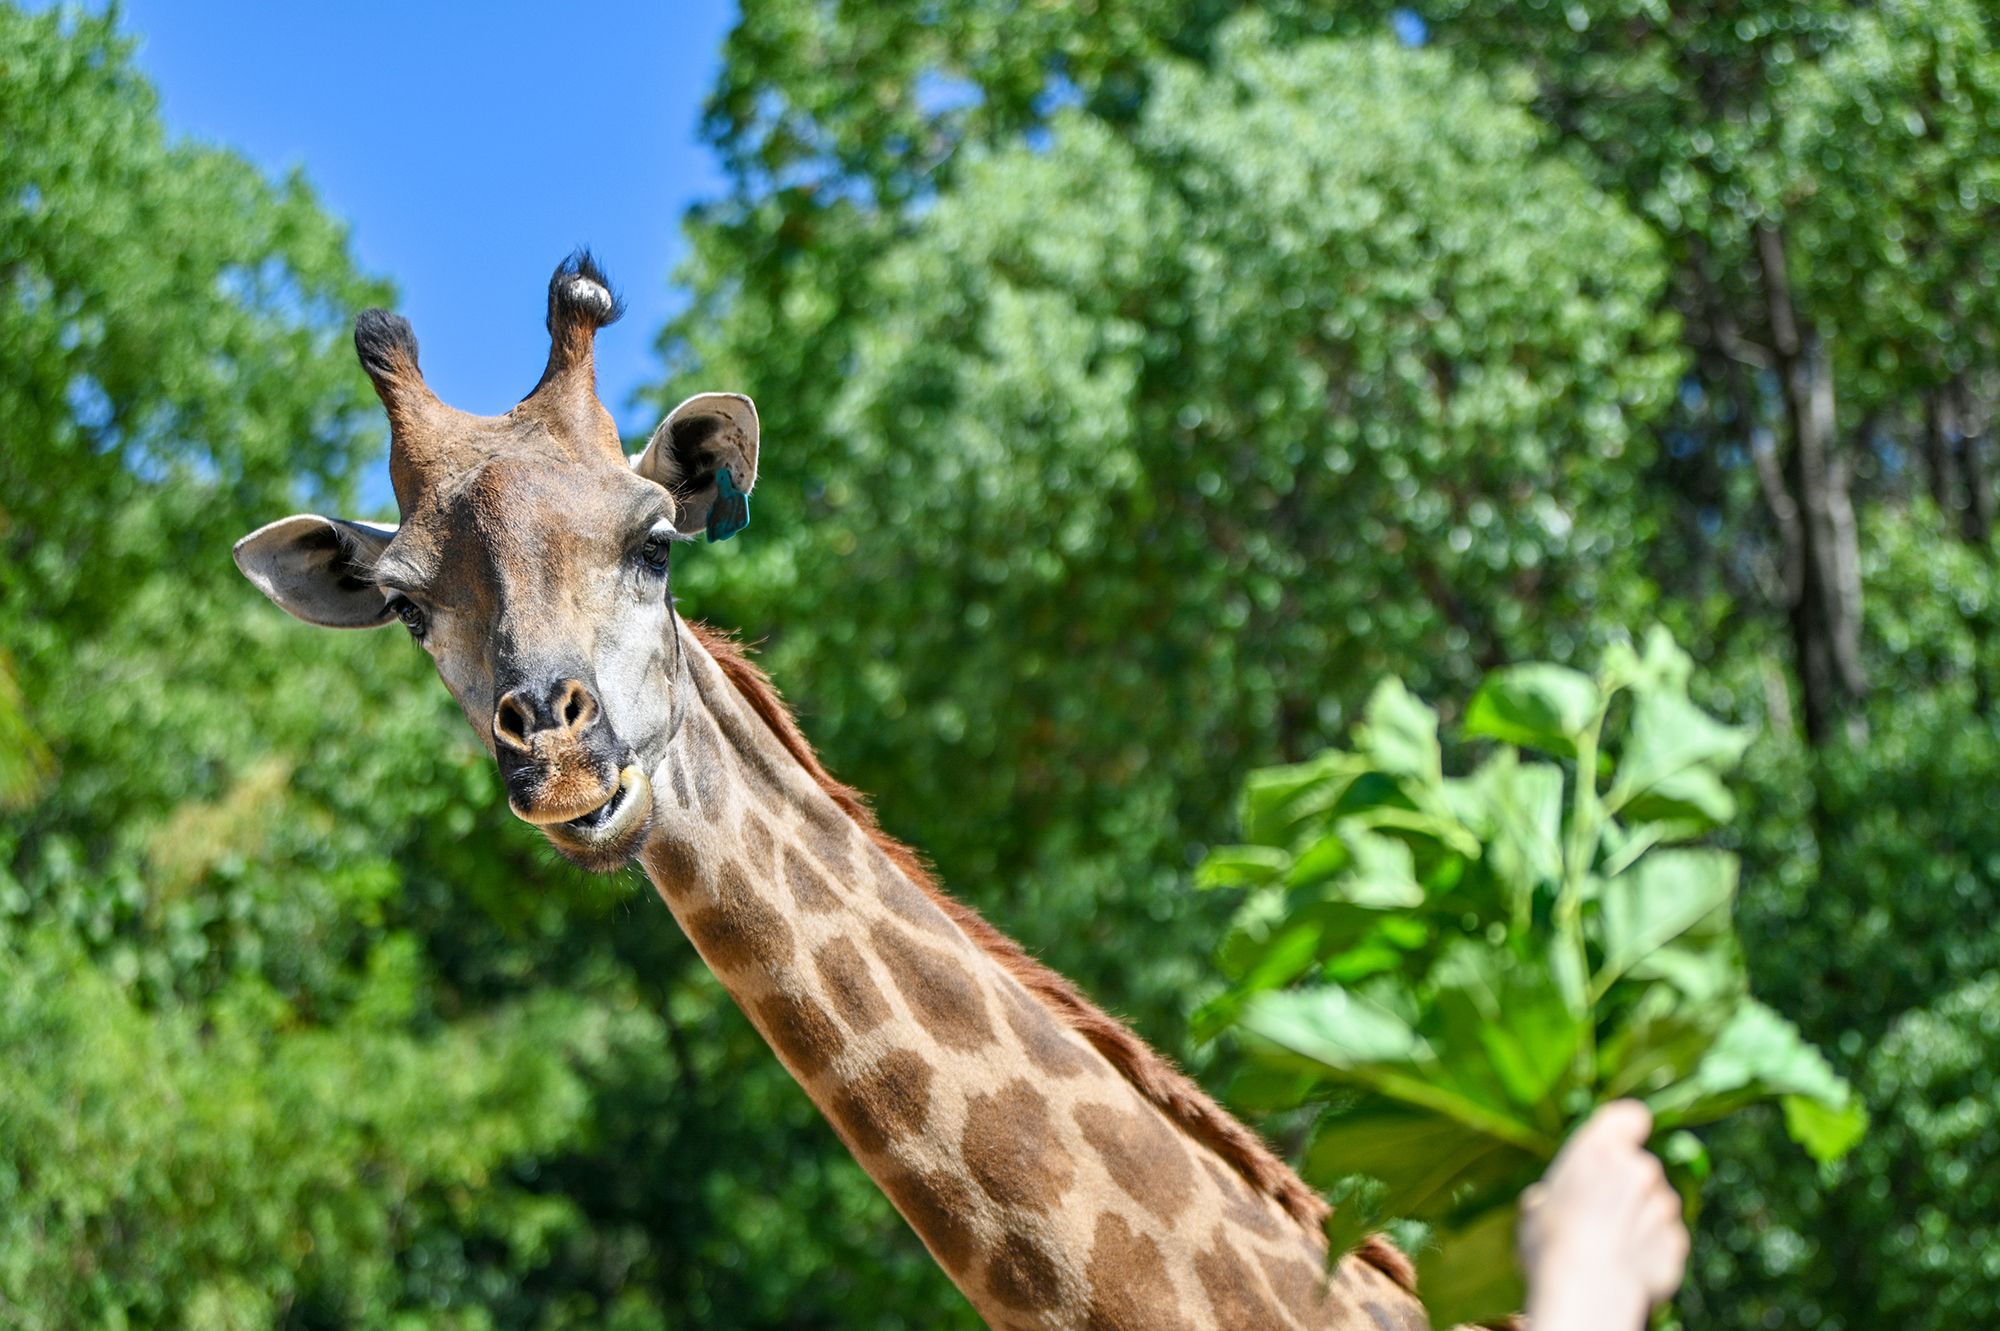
{"type": "Point", "coordinates": [1169, 1089]}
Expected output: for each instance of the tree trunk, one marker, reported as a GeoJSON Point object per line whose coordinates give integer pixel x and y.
{"type": "Point", "coordinates": [1940, 434]}
{"type": "Point", "coordinates": [1815, 515]}
{"type": "Point", "coordinates": [1955, 456]}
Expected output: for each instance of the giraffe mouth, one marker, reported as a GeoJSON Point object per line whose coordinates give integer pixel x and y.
{"type": "Point", "coordinates": [609, 834]}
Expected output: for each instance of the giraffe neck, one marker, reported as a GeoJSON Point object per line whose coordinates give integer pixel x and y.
{"type": "Point", "coordinates": [1052, 1192]}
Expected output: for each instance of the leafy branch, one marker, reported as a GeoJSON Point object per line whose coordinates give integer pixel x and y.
{"type": "Point", "coordinates": [1466, 966]}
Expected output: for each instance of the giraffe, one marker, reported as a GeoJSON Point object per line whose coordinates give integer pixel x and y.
{"type": "Point", "coordinates": [1061, 1172]}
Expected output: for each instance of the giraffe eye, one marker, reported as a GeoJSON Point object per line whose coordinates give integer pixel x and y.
{"type": "Point", "coordinates": [653, 553]}
{"type": "Point", "coordinates": [411, 614]}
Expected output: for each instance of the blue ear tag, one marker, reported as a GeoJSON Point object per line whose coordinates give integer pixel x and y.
{"type": "Point", "coordinates": [731, 511]}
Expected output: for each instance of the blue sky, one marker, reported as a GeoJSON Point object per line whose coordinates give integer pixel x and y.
{"type": "Point", "coordinates": [470, 146]}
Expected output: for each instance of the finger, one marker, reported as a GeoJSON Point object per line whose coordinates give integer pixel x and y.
{"type": "Point", "coordinates": [1665, 1264]}
{"type": "Point", "coordinates": [1621, 1121]}
{"type": "Point", "coordinates": [1662, 1212]}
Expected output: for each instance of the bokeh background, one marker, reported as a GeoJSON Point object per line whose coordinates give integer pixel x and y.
{"type": "Point", "coordinates": [1141, 382]}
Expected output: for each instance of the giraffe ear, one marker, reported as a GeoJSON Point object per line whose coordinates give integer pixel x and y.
{"type": "Point", "coordinates": [318, 569]}
{"type": "Point", "coordinates": [705, 454]}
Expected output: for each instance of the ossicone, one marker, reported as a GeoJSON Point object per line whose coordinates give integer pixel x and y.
{"type": "Point", "coordinates": [580, 295]}
{"type": "Point", "coordinates": [386, 344]}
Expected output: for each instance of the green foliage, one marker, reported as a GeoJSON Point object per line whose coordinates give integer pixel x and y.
{"type": "Point", "coordinates": [1470, 965]}
{"type": "Point", "coordinates": [195, 1166]}
{"type": "Point", "coordinates": [24, 759]}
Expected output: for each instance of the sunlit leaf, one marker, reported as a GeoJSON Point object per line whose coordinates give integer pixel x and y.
{"type": "Point", "coordinates": [1336, 1026]}
{"type": "Point", "coordinates": [1758, 1054]}
{"type": "Point", "coordinates": [1672, 752]}
{"type": "Point", "coordinates": [1241, 866]}
{"type": "Point", "coordinates": [1384, 872]}
{"type": "Point", "coordinates": [1501, 1023]}
{"type": "Point", "coordinates": [1399, 733]}
{"type": "Point", "coordinates": [1276, 799]}
{"type": "Point", "coordinates": [1828, 1132]}
{"type": "Point", "coordinates": [1524, 802]}
{"type": "Point", "coordinates": [1542, 707]}
{"type": "Point", "coordinates": [1375, 1048]}
{"type": "Point", "coordinates": [1656, 901]}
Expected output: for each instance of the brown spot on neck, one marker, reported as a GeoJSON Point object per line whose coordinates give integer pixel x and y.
{"type": "Point", "coordinates": [1048, 1042]}
{"type": "Point", "coordinates": [1235, 1293]}
{"type": "Point", "coordinates": [804, 1036]}
{"type": "Point", "coordinates": [1012, 1149]}
{"type": "Point", "coordinates": [938, 1207]}
{"type": "Point", "coordinates": [943, 999]}
{"type": "Point", "coordinates": [1130, 1289]}
{"type": "Point", "coordinates": [1023, 1274]}
{"type": "Point", "coordinates": [1301, 1286]}
{"type": "Point", "coordinates": [740, 930]}
{"type": "Point", "coordinates": [886, 1103]}
{"type": "Point", "coordinates": [809, 890]}
{"type": "Point", "coordinates": [1144, 1157]}
{"type": "Point", "coordinates": [674, 865]}
{"type": "Point", "coordinates": [758, 843]}
{"type": "Point", "coordinates": [849, 986]}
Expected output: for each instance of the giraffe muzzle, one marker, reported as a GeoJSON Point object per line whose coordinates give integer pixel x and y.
{"type": "Point", "coordinates": [609, 835]}
{"type": "Point", "coordinates": [560, 759]}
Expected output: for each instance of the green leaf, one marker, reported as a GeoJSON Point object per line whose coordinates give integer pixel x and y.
{"type": "Point", "coordinates": [1523, 803]}
{"type": "Point", "coordinates": [1318, 862]}
{"type": "Point", "coordinates": [1335, 1026]}
{"type": "Point", "coordinates": [1695, 798]}
{"type": "Point", "coordinates": [1501, 1023]}
{"type": "Point", "coordinates": [1656, 901]}
{"type": "Point", "coordinates": [1269, 1086]}
{"type": "Point", "coordinates": [1542, 707]}
{"type": "Point", "coordinates": [1826, 1131]}
{"type": "Point", "coordinates": [1436, 822]}
{"type": "Point", "coordinates": [1400, 733]}
{"type": "Point", "coordinates": [1370, 1046]}
{"type": "Point", "coordinates": [1426, 1160]}
{"type": "Point", "coordinates": [1758, 1054]}
{"type": "Point", "coordinates": [1469, 1273]}
{"type": "Point", "coordinates": [1709, 971]}
{"type": "Point", "coordinates": [1384, 875]}
{"type": "Point", "coordinates": [1672, 753]}
{"type": "Point", "coordinates": [1658, 1040]}
{"type": "Point", "coordinates": [1372, 957]}
{"type": "Point", "coordinates": [1276, 800]}
{"type": "Point", "coordinates": [1241, 866]}
{"type": "Point", "coordinates": [1289, 953]}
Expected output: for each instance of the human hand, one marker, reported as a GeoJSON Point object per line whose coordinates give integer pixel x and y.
{"type": "Point", "coordinates": [1601, 1237]}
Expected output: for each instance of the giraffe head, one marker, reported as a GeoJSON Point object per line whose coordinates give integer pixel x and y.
{"type": "Point", "coordinates": [531, 563]}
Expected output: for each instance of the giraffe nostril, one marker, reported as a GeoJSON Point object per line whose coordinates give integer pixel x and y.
{"type": "Point", "coordinates": [511, 721]}
{"type": "Point", "coordinates": [522, 715]}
